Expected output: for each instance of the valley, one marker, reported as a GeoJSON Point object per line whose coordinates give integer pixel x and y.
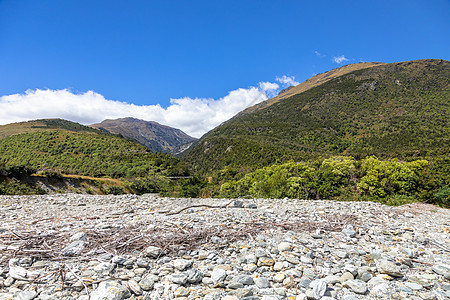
{"type": "Point", "coordinates": [368, 131]}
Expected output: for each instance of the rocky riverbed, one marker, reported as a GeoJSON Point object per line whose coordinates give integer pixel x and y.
{"type": "Point", "coordinates": [146, 247]}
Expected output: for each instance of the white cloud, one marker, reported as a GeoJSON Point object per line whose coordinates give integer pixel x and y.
{"type": "Point", "coordinates": [318, 54]}
{"type": "Point", "coordinates": [195, 116]}
{"type": "Point", "coordinates": [339, 59]}
{"type": "Point", "coordinates": [287, 80]}
{"type": "Point", "coordinates": [270, 88]}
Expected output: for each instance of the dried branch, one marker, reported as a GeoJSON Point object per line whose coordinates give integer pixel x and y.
{"type": "Point", "coordinates": [195, 206]}
{"type": "Point", "coordinates": [169, 236]}
{"type": "Point", "coordinates": [79, 278]}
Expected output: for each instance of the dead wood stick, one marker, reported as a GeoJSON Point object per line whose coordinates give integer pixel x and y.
{"type": "Point", "coordinates": [80, 279]}
{"type": "Point", "coordinates": [17, 235]}
{"type": "Point", "coordinates": [198, 205]}
{"type": "Point", "coordinates": [35, 250]}
{"type": "Point", "coordinates": [440, 246]}
{"type": "Point", "coordinates": [421, 262]}
{"type": "Point", "coordinates": [130, 241]}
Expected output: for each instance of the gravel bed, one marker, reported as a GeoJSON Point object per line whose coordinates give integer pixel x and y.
{"type": "Point", "coordinates": [73, 246]}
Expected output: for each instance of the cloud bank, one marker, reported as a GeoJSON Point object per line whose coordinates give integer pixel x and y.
{"type": "Point", "coordinates": [195, 116]}
{"type": "Point", "coordinates": [339, 59]}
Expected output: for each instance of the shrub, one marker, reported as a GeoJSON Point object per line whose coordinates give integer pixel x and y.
{"type": "Point", "coordinates": [384, 178]}
{"type": "Point", "coordinates": [442, 196]}
{"type": "Point", "coordinates": [150, 184]}
{"type": "Point", "coordinates": [115, 190]}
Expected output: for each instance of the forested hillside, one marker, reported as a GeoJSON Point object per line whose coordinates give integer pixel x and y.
{"type": "Point", "coordinates": [62, 147]}
{"type": "Point", "coordinates": [395, 110]}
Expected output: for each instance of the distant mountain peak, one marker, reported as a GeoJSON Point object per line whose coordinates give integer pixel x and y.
{"type": "Point", "coordinates": [151, 134]}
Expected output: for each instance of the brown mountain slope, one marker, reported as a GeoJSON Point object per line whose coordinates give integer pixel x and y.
{"type": "Point", "coordinates": [156, 137]}
{"type": "Point", "coordinates": [310, 83]}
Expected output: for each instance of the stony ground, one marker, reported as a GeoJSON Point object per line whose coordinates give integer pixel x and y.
{"type": "Point", "coordinates": [146, 247]}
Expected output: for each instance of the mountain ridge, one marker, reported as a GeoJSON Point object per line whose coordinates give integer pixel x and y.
{"type": "Point", "coordinates": [314, 81]}
{"type": "Point", "coordinates": [151, 134]}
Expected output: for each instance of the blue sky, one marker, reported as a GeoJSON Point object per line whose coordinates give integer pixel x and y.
{"type": "Point", "coordinates": [168, 57]}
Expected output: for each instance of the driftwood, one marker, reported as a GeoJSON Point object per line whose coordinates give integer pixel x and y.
{"type": "Point", "coordinates": [169, 236]}
{"type": "Point", "coordinates": [195, 206]}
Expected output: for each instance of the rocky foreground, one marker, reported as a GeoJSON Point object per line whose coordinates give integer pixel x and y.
{"type": "Point", "coordinates": [145, 247]}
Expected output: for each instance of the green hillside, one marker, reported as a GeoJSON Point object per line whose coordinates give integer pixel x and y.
{"type": "Point", "coordinates": [57, 148]}
{"type": "Point", "coordinates": [43, 125]}
{"type": "Point", "coordinates": [84, 154]}
{"type": "Point", "coordinates": [398, 110]}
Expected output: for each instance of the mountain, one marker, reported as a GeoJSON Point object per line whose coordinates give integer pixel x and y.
{"type": "Point", "coordinates": [310, 83]}
{"type": "Point", "coordinates": [156, 137]}
{"type": "Point", "coordinates": [71, 148]}
{"type": "Point", "coordinates": [389, 110]}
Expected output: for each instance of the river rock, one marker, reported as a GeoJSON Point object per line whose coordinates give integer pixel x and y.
{"type": "Point", "coordinates": [110, 290]}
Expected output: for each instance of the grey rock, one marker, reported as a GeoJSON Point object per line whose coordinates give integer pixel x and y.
{"type": "Point", "coordinates": [349, 231]}
{"type": "Point", "coordinates": [381, 290]}
{"type": "Point", "coordinates": [8, 281]}
{"type": "Point", "coordinates": [319, 288]}
{"type": "Point", "coordinates": [218, 275]}
{"type": "Point", "coordinates": [142, 262]}
{"type": "Point", "coordinates": [135, 287]}
{"type": "Point", "coordinates": [252, 206]}
{"type": "Point", "coordinates": [260, 253]}
{"type": "Point", "coordinates": [153, 252]}
{"type": "Point", "coordinates": [235, 285]}
{"type": "Point", "coordinates": [79, 236]}
{"type": "Point", "coordinates": [414, 286]}
{"type": "Point", "coordinates": [243, 293]}
{"type": "Point", "coordinates": [292, 259]}
{"type": "Point", "coordinates": [194, 276]}
{"type": "Point", "coordinates": [110, 290]}
{"type": "Point", "coordinates": [332, 279]}
{"type": "Point", "coordinates": [104, 267]}
{"type": "Point", "coordinates": [278, 266]}
{"type": "Point", "coordinates": [294, 273]}
{"type": "Point", "coordinates": [25, 295]}
{"type": "Point", "coordinates": [306, 260]}
{"type": "Point", "coordinates": [271, 297]}
{"type": "Point", "coordinates": [146, 284]}
{"type": "Point", "coordinates": [74, 249]}
{"type": "Point", "coordinates": [366, 276]}
{"type": "Point", "coordinates": [19, 273]}
{"type": "Point", "coordinates": [356, 285]}
{"type": "Point", "coordinates": [390, 268]}
{"type": "Point", "coordinates": [443, 270]}
{"type": "Point", "coordinates": [261, 282]}
{"type": "Point", "coordinates": [349, 297]}
{"type": "Point", "coordinates": [237, 203]}
{"type": "Point", "coordinates": [244, 279]}
{"type": "Point", "coordinates": [119, 260]}
{"type": "Point", "coordinates": [346, 276]}
{"type": "Point", "coordinates": [178, 278]}
{"type": "Point", "coordinates": [284, 246]}
{"type": "Point", "coordinates": [182, 264]}
{"type": "Point", "coordinates": [252, 259]}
